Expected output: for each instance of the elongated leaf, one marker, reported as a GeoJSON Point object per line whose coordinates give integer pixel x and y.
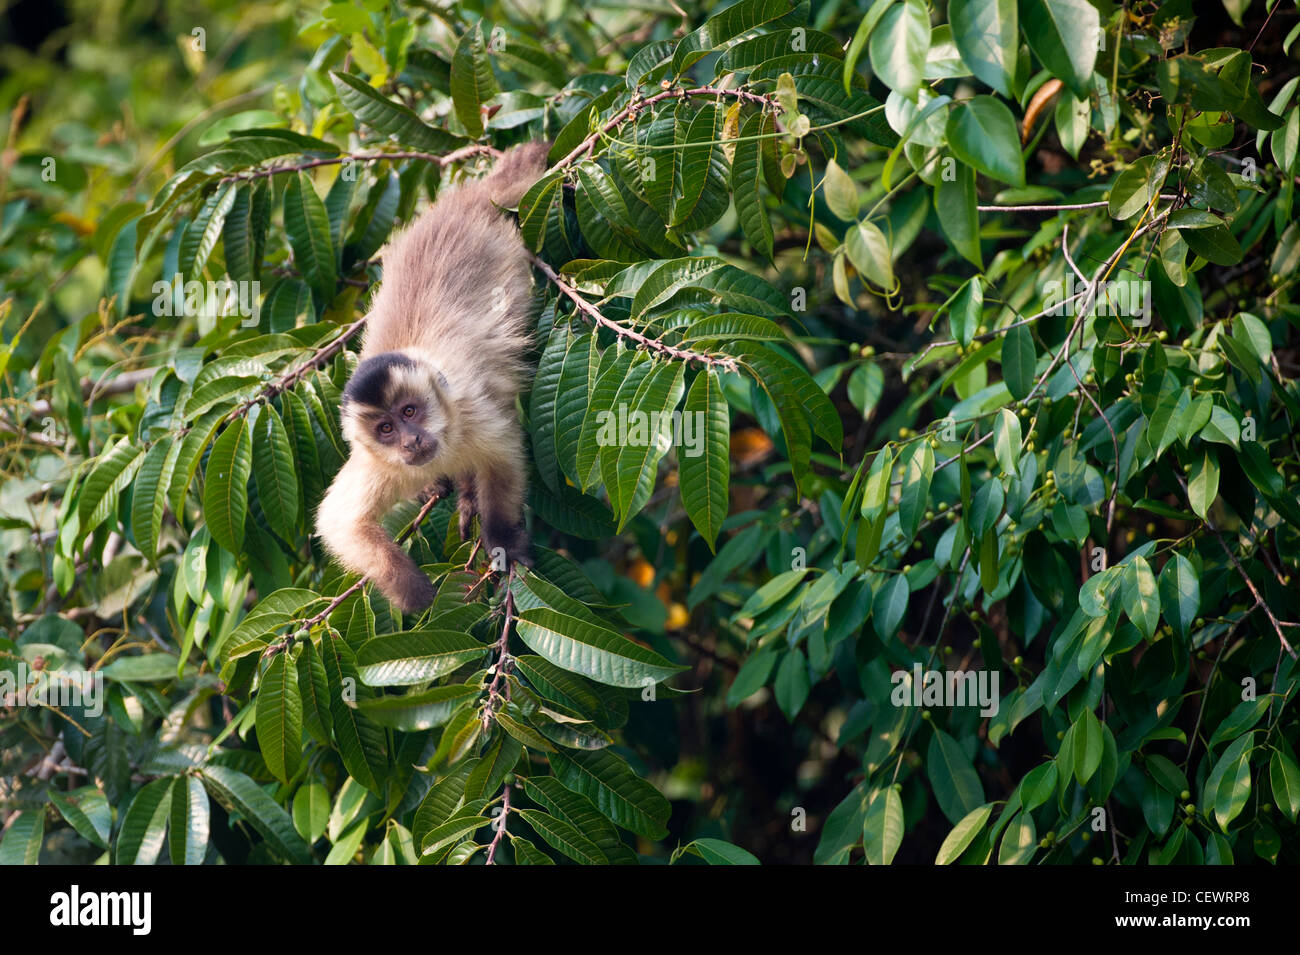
{"type": "Point", "coordinates": [620, 795]}
{"type": "Point", "coordinates": [239, 793]}
{"type": "Point", "coordinates": [144, 826]}
{"type": "Point", "coordinates": [308, 226]}
{"type": "Point", "coordinates": [592, 651]}
{"type": "Point", "coordinates": [273, 466]}
{"type": "Point", "coordinates": [373, 109]}
{"type": "Point", "coordinates": [225, 486]}
{"type": "Point", "coordinates": [417, 656]}
{"type": "Point", "coordinates": [705, 465]}
{"type": "Point", "coordinates": [882, 827]}
{"type": "Point", "coordinates": [957, 786]}
{"type": "Point", "coordinates": [279, 718]}
{"type": "Point", "coordinates": [472, 80]}
{"type": "Point", "coordinates": [187, 840]}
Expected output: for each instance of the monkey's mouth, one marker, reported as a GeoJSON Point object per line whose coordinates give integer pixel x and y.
{"type": "Point", "coordinates": [422, 455]}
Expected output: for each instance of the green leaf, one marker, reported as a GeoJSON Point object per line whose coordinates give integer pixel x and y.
{"type": "Point", "coordinates": [955, 202]}
{"type": "Point", "coordinates": [416, 656]}
{"type": "Point", "coordinates": [204, 230]}
{"type": "Point", "coordinates": [1228, 786]}
{"type": "Point", "coordinates": [625, 799]}
{"type": "Point", "coordinates": [918, 471]}
{"type": "Point", "coordinates": [1019, 361]}
{"type": "Point", "coordinates": [1136, 186]}
{"type": "Point", "coordinates": [840, 191]}
{"type": "Point", "coordinates": [273, 467]}
{"type": "Point", "coordinates": [113, 471]}
{"type": "Point", "coordinates": [563, 837]}
{"type": "Point", "coordinates": [1007, 441]}
{"type": "Point", "coordinates": [311, 811]}
{"type": "Point", "coordinates": [187, 842]}
{"type": "Point", "coordinates": [987, 34]}
{"type": "Point", "coordinates": [898, 47]}
{"type": "Point", "coordinates": [279, 718]}
{"type": "Point", "coordinates": [1063, 35]}
{"type": "Point", "coordinates": [982, 133]}
{"type": "Point", "coordinates": [308, 226]}
{"type": "Point", "coordinates": [1141, 599]}
{"type": "Point", "coordinates": [963, 834]}
{"type": "Point", "coordinates": [731, 22]}
{"type": "Point", "coordinates": [869, 251]}
{"type": "Point", "coordinates": [636, 463]}
{"type": "Point", "coordinates": [23, 836]}
{"type": "Point", "coordinates": [1284, 775]}
{"type": "Point", "coordinates": [792, 684]}
{"type": "Point", "coordinates": [717, 852]}
{"type": "Point", "coordinates": [890, 606]}
{"type": "Point", "coordinates": [1179, 593]}
{"type": "Point", "coordinates": [957, 786]}
{"type": "Point", "coordinates": [1019, 841]}
{"type": "Point", "coordinates": [238, 793]}
{"type": "Point", "coordinates": [418, 711]}
{"type": "Point", "coordinates": [1203, 486]}
{"type": "Point", "coordinates": [472, 81]}
{"type": "Point", "coordinates": [149, 495]}
{"type": "Point", "coordinates": [144, 825]}
{"type": "Point", "coordinates": [87, 811]}
{"type": "Point", "coordinates": [1089, 744]}
{"type": "Point", "coordinates": [582, 647]}
{"type": "Point", "coordinates": [698, 196]}
{"type": "Point", "coordinates": [882, 828]}
{"type": "Point", "coordinates": [225, 486]}
{"type": "Point", "coordinates": [362, 743]}
{"type": "Point", "coordinates": [704, 467]}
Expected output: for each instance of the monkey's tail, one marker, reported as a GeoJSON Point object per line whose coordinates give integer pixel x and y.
{"type": "Point", "coordinates": [517, 169]}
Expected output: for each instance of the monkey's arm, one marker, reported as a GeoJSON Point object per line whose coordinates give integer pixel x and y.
{"type": "Point", "coordinates": [348, 523]}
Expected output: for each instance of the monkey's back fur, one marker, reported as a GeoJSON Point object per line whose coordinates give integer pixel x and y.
{"type": "Point", "coordinates": [458, 277]}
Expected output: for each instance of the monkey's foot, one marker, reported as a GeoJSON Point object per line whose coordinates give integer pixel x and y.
{"type": "Point", "coordinates": [509, 545]}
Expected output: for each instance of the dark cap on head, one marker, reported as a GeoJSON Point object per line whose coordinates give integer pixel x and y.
{"type": "Point", "coordinates": [368, 384]}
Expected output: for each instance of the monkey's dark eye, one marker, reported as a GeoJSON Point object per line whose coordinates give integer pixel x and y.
{"type": "Point", "coordinates": [408, 411]}
{"type": "Point", "coordinates": [386, 428]}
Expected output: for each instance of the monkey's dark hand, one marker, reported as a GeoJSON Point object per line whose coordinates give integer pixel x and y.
{"type": "Point", "coordinates": [440, 488]}
{"type": "Point", "coordinates": [410, 590]}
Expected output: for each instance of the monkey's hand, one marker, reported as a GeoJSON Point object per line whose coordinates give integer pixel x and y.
{"type": "Point", "coordinates": [440, 488]}
{"type": "Point", "coordinates": [408, 587]}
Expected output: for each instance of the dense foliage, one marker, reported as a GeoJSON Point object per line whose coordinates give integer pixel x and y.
{"type": "Point", "coordinates": [885, 350]}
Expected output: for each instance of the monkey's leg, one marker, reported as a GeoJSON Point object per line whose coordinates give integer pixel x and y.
{"type": "Point", "coordinates": [467, 504]}
{"type": "Point", "coordinates": [499, 494]}
{"type": "Point", "coordinates": [348, 523]}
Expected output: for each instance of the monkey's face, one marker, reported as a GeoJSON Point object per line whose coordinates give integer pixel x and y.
{"type": "Point", "coordinates": [393, 407]}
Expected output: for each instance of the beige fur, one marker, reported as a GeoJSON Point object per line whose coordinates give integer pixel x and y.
{"type": "Point", "coordinates": [456, 300]}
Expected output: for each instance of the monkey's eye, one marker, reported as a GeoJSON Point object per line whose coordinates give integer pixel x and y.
{"type": "Point", "coordinates": [408, 411]}
{"type": "Point", "coordinates": [386, 428]}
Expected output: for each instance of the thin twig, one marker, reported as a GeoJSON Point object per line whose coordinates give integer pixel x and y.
{"type": "Point", "coordinates": [593, 314]}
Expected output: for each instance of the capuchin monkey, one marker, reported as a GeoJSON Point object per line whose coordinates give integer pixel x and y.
{"type": "Point", "coordinates": [432, 399]}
